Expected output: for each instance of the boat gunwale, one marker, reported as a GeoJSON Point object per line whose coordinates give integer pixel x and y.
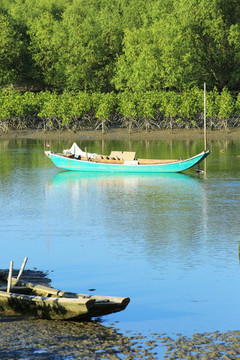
{"type": "Point", "coordinates": [38, 298]}
{"type": "Point", "coordinates": [60, 294]}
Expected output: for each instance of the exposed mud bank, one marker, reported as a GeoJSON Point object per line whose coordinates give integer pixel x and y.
{"type": "Point", "coordinates": [119, 134]}
{"type": "Point", "coordinates": [23, 338]}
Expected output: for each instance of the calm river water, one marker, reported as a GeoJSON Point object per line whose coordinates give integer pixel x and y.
{"type": "Point", "coordinates": [170, 242]}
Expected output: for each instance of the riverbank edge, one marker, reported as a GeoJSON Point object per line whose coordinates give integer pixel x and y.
{"type": "Point", "coordinates": [123, 134]}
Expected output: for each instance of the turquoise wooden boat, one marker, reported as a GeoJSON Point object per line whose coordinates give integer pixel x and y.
{"type": "Point", "coordinates": [120, 162]}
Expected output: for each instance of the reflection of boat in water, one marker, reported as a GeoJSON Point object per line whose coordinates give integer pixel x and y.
{"type": "Point", "coordinates": [64, 178]}
{"type": "Point", "coordinates": [142, 208]}
{"type": "Point", "coordinates": [120, 162]}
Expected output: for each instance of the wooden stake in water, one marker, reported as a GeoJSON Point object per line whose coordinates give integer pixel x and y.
{"type": "Point", "coordinates": [205, 121]}
{"type": "Point", "coordinates": [10, 277]}
{"type": "Point", "coordinates": [205, 130]}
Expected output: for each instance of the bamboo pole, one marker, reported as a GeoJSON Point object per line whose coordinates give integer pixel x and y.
{"type": "Point", "coordinates": [10, 277]}
{"type": "Point", "coordinates": [205, 121]}
{"type": "Point", "coordinates": [205, 130]}
{"type": "Point", "coordinates": [21, 270]}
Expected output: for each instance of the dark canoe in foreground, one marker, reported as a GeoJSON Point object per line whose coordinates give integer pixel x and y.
{"type": "Point", "coordinates": [49, 303]}
{"type": "Point", "coordinates": [120, 162]}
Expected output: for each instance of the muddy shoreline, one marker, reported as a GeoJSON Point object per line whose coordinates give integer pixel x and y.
{"type": "Point", "coordinates": [28, 338]}
{"type": "Point", "coordinates": [123, 134]}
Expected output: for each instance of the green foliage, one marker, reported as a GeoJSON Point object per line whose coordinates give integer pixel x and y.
{"type": "Point", "coordinates": [127, 108]}
{"type": "Point", "coordinates": [138, 68]}
{"type": "Point", "coordinates": [191, 103]}
{"type": "Point", "coordinates": [109, 45]}
{"type": "Point", "coordinates": [10, 49]}
{"type": "Point", "coordinates": [144, 110]}
{"type": "Point", "coordinates": [225, 104]}
{"type": "Point", "coordinates": [238, 104]}
{"type": "Point", "coordinates": [105, 107]}
{"type": "Point", "coordinates": [11, 105]}
{"type": "Point", "coordinates": [170, 104]}
{"type": "Point", "coordinates": [147, 109]}
{"type": "Point", "coordinates": [81, 105]}
{"type": "Point", "coordinates": [62, 111]}
{"type": "Point", "coordinates": [94, 36]}
{"type": "Point", "coordinates": [201, 46]}
{"type": "Point", "coordinates": [47, 41]}
{"type": "Point", "coordinates": [147, 104]}
{"type": "Point", "coordinates": [127, 104]}
{"type": "Point", "coordinates": [212, 103]}
{"type": "Point", "coordinates": [226, 107]}
{"type": "Point", "coordinates": [31, 104]}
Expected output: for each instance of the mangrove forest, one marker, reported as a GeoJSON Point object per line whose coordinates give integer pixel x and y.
{"type": "Point", "coordinates": [132, 63]}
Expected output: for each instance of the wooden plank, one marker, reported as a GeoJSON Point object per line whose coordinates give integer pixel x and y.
{"type": "Point", "coordinates": [129, 155]}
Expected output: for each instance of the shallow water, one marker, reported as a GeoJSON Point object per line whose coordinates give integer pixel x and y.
{"type": "Point", "coordinates": [169, 242]}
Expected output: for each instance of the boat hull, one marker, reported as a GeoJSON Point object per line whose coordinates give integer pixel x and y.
{"type": "Point", "coordinates": [66, 163]}
{"type": "Point", "coordinates": [43, 307]}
